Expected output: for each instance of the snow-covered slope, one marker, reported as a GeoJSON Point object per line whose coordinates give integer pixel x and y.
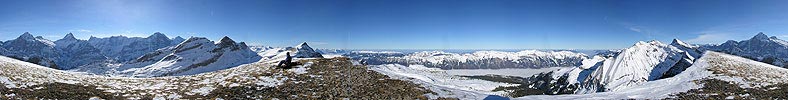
{"type": "Point", "coordinates": [19, 74]}
{"type": "Point", "coordinates": [483, 59]}
{"type": "Point", "coordinates": [438, 79]}
{"type": "Point", "coordinates": [711, 66]}
{"type": "Point", "coordinates": [645, 61]}
{"type": "Point", "coordinates": [760, 47]}
{"type": "Point", "coordinates": [193, 56]}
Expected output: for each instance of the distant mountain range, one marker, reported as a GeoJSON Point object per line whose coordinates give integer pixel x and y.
{"type": "Point", "coordinates": [152, 56]}
{"type": "Point", "coordinates": [69, 52]}
{"type": "Point", "coordinates": [760, 48]}
{"type": "Point", "coordinates": [475, 60]}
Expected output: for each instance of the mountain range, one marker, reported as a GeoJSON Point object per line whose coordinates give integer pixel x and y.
{"type": "Point", "coordinates": [152, 56]}
{"type": "Point", "coordinates": [646, 70]}
{"type": "Point", "coordinates": [760, 47]}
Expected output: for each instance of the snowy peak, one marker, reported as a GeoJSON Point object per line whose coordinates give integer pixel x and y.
{"type": "Point", "coordinates": [26, 36]}
{"type": "Point", "coordinates": [226, 41]}
{"type": "Point", "coordinates": [679, 42]}
{"type": "Point", "coordinates": [760, 36]}
{"type": "Point", "coordinates": [303, 45]}
{"type": "Point", "coordinates": [243, 45]}
{"type": "Point", "coordinates": [193, 56]}
{"type": "Point", "coordinates": [157, 35]}
{"type": "Point", "coordinates": [304, 51]}
{"type": "Point", "coordinates": [192, 43]}
{"type": "Point", "coordinates": [177, 40]}
{"type": "Point", "coordinates": [69, 36]}
{"type": "Point", "coordinates": [635, 65]}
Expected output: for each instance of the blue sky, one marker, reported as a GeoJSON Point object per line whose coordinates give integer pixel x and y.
{"type": "Point", "coordinates": [405, 24]}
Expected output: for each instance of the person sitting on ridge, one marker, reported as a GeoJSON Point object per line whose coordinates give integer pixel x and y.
{"type": "Point", "coordinates": [287, 62]}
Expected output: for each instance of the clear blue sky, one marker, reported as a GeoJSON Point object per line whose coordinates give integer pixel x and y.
{"type": "Point", "coordinates": [405, 24]}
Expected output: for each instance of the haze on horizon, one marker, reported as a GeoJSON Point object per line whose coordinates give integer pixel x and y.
{"type": "Point", "coordinates": [404, 24]}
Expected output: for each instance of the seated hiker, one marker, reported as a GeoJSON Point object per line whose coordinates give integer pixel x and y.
{"type": "Point", "coordinates": [287, 62]}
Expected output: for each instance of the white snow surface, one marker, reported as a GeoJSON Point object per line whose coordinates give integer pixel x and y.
{"type": "Point", "coordinates": [15, 73]}
{"type": "Point", "coordinates": [194, 56]}
{"type": "Point", "coordinates": [439, 81]}
{"type": "Point", "coordinates": [645, 61]}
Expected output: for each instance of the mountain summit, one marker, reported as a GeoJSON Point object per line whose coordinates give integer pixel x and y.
{"type": "Point", "coordinates": [26, 36]}
{"type": "Point", "coordinates": [35, 50]}
{"type": "Point", "coordinates": [304, 51]}
{"type": "Point", "coordinates": [69, 36]}
{"type": "Point", "coordinates": [193, 56]}
{"type": "Point", "coordinates": [644, 61]}
{"type": "Point", "coordinates": [760, 36]}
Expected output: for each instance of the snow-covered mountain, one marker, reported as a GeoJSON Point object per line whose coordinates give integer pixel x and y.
{"type": "Point", "coordinates": [713, 76]}
{"type": "Point", "coordinates": [70, 52]}
{"type": "Point", "coordinates": [122, 48]}
{"type": "Point", "coordinates": [645, 61]}
{"type": "Point", "coordinates": [193, 56]}
{"type": "Point", "coordinates": [760, 47]}
{"type": "Point", "coordinates": [302, 50]}
{"type": "Point", "coordinates": [75, 52]}
{"type": "Point", "coordinates": [617, 69]}
{"type": "Point", "coordinates": [32, 49]}
{"type": "Point", "coordinates": [475, 60]}
{"type": "Point", "coordinates": [177, 40]}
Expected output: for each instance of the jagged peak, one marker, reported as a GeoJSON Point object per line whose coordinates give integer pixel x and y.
{"type": "Point", "coordinates": [178, 38]}
{"type": "Point", "coordinates": [652, 42]}
{"type": "Point", "coordinates": [226, 40]}
{"type": "Point", "coordinates": [303, 45]}
{"type": "Point", "coordinates": [243, 45]}
{"type": "Point", "coordinates": [679, 42]}
{"type": "Point", "coordinates": [26, 36]}
{"type": "Point", "coordinates": [760, 36]}
{"type": "Point", "coordinates": [158, 35]}
{"type": "Point", "coordinates": [69, 36]}
{"type": "Point", "coordinates": [193, 39]}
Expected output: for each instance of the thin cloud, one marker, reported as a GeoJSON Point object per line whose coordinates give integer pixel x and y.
{"type": "Point", "coordinates": [635, 29]}
{"type": "Point", "coordinates": [640, 29]}
{"type": "Point", "coordinates": [710, 38]}
{"type": "Point", "coordinates": [125, 33]}
{"type": "Point", "coordinates": [81, 30]}
{"type": "Point", "coordinates": [317, 43]}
